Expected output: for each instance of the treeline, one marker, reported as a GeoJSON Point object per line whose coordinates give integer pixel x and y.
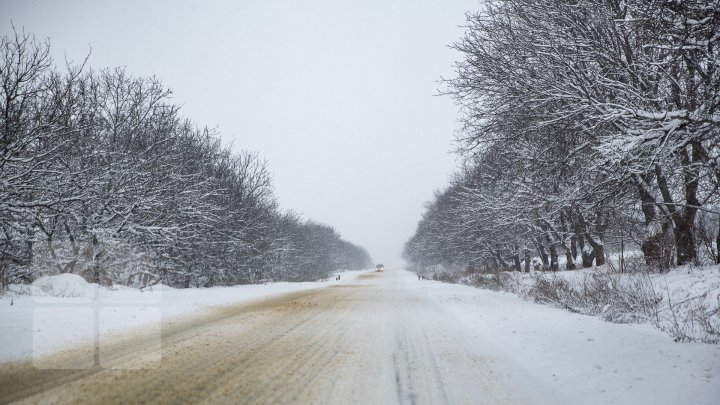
{"type": "Point", "coordinates": [585, 124]}
{"type": "Point", "coordinates": [100, 176]}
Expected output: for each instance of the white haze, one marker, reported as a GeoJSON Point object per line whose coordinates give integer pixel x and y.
{"type": "Point", "coordinates": [338, 96]}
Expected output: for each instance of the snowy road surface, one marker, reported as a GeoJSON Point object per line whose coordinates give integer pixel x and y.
{"type": "Point", "coordinates": [382, 338]}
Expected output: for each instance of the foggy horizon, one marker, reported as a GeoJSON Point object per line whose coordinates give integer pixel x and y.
{"type": "Point", "coordinates": [338, 98]}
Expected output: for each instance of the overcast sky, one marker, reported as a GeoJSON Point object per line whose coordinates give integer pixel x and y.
{"type": "Point", "coordinates": [337, 95]}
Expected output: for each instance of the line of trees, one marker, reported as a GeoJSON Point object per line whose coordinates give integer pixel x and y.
{"type": "Point", "coordinates": [584, 122]}
{"type": "Point", "coordinates": [100, 176]}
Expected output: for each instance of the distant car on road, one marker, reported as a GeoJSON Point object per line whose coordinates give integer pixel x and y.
{"type": "Point", "coordinates": [379, 267]}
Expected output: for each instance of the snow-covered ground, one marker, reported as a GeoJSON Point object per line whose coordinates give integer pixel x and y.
{"type": "Point", "coordinates": [684, 302]}
{"type": "Point", "coordinates": [64, 310]}
{"type": "Point", "coordinates": [679, 284]}
{"type": "Point", "coordinates": [559, 356]}
{"type": "Point", "coordinates": [580, 358]}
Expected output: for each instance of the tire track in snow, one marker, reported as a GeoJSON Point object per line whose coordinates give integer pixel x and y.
{"type": "Point", "coordinates": [370, 342]}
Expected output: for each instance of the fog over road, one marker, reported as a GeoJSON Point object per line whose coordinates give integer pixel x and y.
{"type": "Point", "coordinates": [373, 340]}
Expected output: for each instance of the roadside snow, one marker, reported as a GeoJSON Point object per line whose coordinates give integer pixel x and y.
{"type": "Point", "coordinates": [62, 311]}
{"type": "Point", "coordinates": [579, 358]}
{"type": "Point", "coordinates": [685, 302]}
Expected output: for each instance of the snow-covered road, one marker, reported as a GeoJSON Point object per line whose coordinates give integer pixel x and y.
{"type": "Point", "coordinates": [382, 338]}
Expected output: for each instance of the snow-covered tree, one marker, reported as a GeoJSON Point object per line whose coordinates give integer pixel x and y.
{"type": "Point", "coordinates": [581, 115]}
{"type": "Point", "coordinates": [100, 176]}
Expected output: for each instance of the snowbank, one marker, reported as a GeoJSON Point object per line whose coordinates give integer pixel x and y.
{"type": "Point", "coordinates": [684, 303]}
{"type": "Point", "coordinates": [577, 358]}
{"type": "Point", "coordinates": [55, 288]}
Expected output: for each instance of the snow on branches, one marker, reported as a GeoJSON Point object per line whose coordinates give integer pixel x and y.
{"type": "Point", "coordinates": [581, 118]}
{"type": "Point", "coordinates": [101, 177]}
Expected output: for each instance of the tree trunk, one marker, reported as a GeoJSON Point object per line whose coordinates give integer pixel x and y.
{"type": "Point", "coordinates": [516, 259]}
{"type": "Point", "coordinates": [656, 249]}
{"type": "Point", "coordinates": [501, 262]}
{"type": "Point", "coordinates": [717, 243]}
{"type": "Point", "coordinates": [622, 253]}
{"type": "Point", "coordinates": [587, 257]}
{"type": "Point", "coordinates": [51, 250]}
{"type": "Point", "coordinates": [570, 265]}
{"type": "Point", "coordinates": [4, 282]}
{"type": "Point", "coordinates": [683, 220]}
{"type": "Point", "coordinates": [653, 247]}
{"type": "Point", "coordinates": [685, 242]}
{"type": "Point", "coordinates": [543, 255]}
{"type": "Point", "coordinates": [527, 257]}
{"type": "Point", "coordinates": [598, 252]}
{"type": "Point", "coordinates": [553, 258]}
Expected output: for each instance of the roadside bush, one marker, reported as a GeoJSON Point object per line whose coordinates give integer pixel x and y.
{"type": "Point", "coordinates": [447, 277]}
{"type": "Point", "coordinates": [637, 297]}
{"type": "Point", "coordinates": [554, 291]}
{"type": "Point", "coordinates": [612, 297]}
{"type": "Point", "coordinates": [693, 319]}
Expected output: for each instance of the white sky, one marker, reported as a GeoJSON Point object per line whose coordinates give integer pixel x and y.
{"type": "Point", "coordinates": [337, 95]}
